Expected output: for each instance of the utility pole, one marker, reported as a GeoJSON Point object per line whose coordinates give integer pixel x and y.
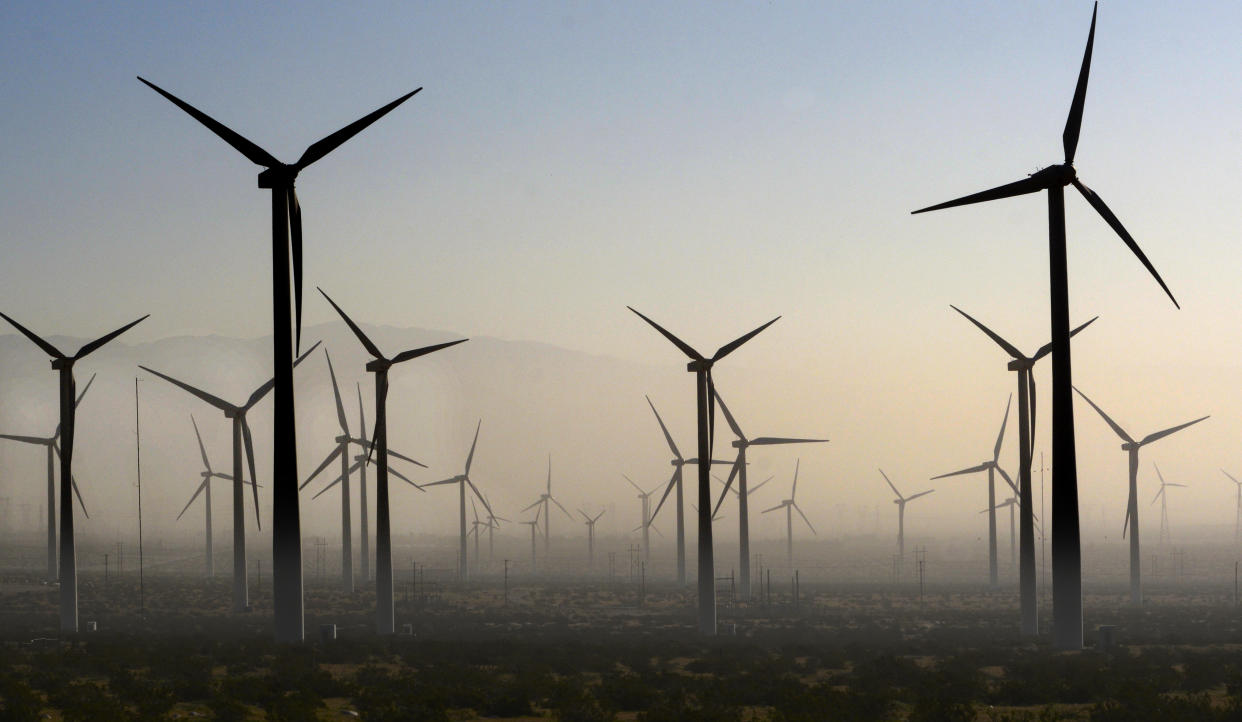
{"type": "Point", "coordinates": [642, 589]}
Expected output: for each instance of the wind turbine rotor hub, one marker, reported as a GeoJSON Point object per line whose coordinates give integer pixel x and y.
{"type": "Point", "coordinates": [62, 363]}
{"type": "Point", "coordinates": [1129, 446]}
{"type": "Point", "coordinates": [1021, 364]}
{"type": "Point", "coordinates": [378, 364]}
{"type": "Point", "coordinates": [699, 365]}
{"type": "Point", "coordinates": [278, 176]}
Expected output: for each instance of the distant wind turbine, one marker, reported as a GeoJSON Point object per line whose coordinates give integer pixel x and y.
{"type": "Point", "coordinates": [992, 467]}
{"type": "Point", "coordinates": [205, 488]}
{"type": "Point", "coordinates": [1163, 498]}
{"type": "Point", "coordinates": [1237, 514]}
{"type": "Point", "coordinates": [63, 365]}
{"type": "Point", "coordinates": [901, 502]}
{"type": "Point", "coordinates": [590, 524]}
{"type": "Point", "coordinates": [385, 621]}
{"type": "Point", "coordinates": [241, 432]}
{"type": "Point", "coordinates": [462, 480]}
{"type": "Point", "coordinates": [546, 500]}
{"type": "Point", "coordinates": [1066, 544]}
{"type": "Point", "coordinates": [645, 497]}
{"type": "Point", "coordinates": [534, 527]}
{"type": "Point", "coordinates": [1131, 447]}
{"type": "Point", "coordinates": [50, 443]}
{"type": "Point", "coordinates": [790, 505]}
{"type": "Point", "coordinates": [286, 247]}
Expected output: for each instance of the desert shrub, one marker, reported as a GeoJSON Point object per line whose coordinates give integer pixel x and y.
{"type": "Point", "coordinates": [226, 709]}
{"type": "Point", "coordinates": [293, 707]}
{"type": "Point", "coordinates": [625, 691]}
{"type": "Point", "coordinates": [86, 702]}
{"type": "Point", "coordinates": [381, 696]}
{"type": "Point", "coordinates": [18, 702]}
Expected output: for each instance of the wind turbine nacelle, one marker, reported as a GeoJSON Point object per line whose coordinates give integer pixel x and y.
{"type": "Point", "coordinates": [62, 363]}
{"type": "Point", "coordinates": [1130, 446]}
{"type": "Point", "coordinates": [341, 439]}
{"type": "Point", "coordinates": [699, 365]}
{"type": "Point", "coordinates": [377, 365]}
{"type": "Point", "coordinates": [276, 176]}
{"type": "Point", "coordinates": [1020, 364]}
{"type": "Point", "coordinates": [1056, 175]}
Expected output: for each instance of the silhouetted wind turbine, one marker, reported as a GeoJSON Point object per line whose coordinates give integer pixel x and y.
{"type": "Point", "coordinates": [701, 367]}
{"type": "Point", "coordinates": [590, 523]}
{"type": "Point", "coordinates": [790, 506]}
{"type": "Point", "coordinates": [1131, 447]}
{"type": "Point", "coordinates": [1237, 514]}
{"type": "Point", "coordinates": [1024, 365]}
{"type": "Point", "coordinates": [205, 488]}
{"type": "Point", "coordinates": [1163, 498]}
{"type": "Point", "coordinates": [645, 497]}
{"type": "Point", "coordinates": [741, 443]}
{"type": "Point", "coordinates": [462, 480]}
{"type": "Point", "coordinates": [286, 247]}
{"type": "Point", "coordinates": [546, 499]}
{"type": "Point", "coordinates": [534, 527]}
{"type": "Point", "coordinates": [241, 432]}
{"type": "Point", "coordinates": [53, 451]}
{"type": "Point", "coordinates": [1066, 548]}
{"type": "Point", "coordinates": [901, 502]}
{"type": "Point", "coordinates": [385, 621]}
{"type": "Point", "coordinates": [991, 467]}
{"type": "Point", "coordinates": [674, 482]}
{"type": "Point", "coordinates": [63, 365]}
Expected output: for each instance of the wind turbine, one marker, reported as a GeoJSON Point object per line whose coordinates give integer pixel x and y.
{"type": "Point", "coordinates": [462, 480]}
{"type": "Point", "coordinates": [790, 506]}
{"type": "Point", "coordinates": [992, 467]}
{"type": "Point", "coordinates": [1024, 365]}
{"type": "Point", "coordinates": [241, 432]}
{"type": "Point", "coordinates": [741, 443]}
{"type": "Point", "coordinates": [286, 247]}
{"type": "Point", "coordinates": [1164, 505]}
{"type": "Point", "coordinates": [645, 497]}
{"type": "Point", "coordinates": [385, 621]}
{"type": "Point", "coordinates": [1237, 515]}
{"type": "Point", "coordinates": [590, 523]}
{"type": "Point", "coordinates": [205, 488]}
{"type": "Point", "coordinates": [342, 450]}
{"type": "Point", "coordinates": [546, 499]}
{"type": "Point", "coordinates": [534, 527]}
{"type": "Point", "coordinates": [701, 367]}
{"type": "Point", "coordinates": [50, 443]}
{"type": "Point", "coordinates": [1011, 503]}
{"type": "Point", "coordinates": [1066, 546]}
{"type": "Point", "coordinates": [63, 365]}
{"type": "Point", "coordinates": [901, 502]}
{"type": "Point", "coordinates": [1131, 447]}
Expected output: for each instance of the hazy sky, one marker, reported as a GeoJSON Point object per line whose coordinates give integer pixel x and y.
{"type": "Point", "coordinates": [712, 164]}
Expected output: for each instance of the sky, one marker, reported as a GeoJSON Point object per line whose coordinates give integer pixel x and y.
{"type": "Point", "coordinates": [712, 164]}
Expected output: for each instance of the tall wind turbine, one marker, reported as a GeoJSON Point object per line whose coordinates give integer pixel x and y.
{"type": "Point", "coordinates": [63, 365]}
{"type": "Point", "coordinates": [205, 488]}
{"type": "Point", "coordinates": [741, 443]}
{"type": "Point", "coordinates": [1024, 365]}
{"type": "Point", "coordinates": [241, 432]}
{"type": "Point", "coordinates": [1237, 514]}
{"type": "Point", "coordinates": [546, 500]}
{"type": "Point", "coordinates": [590, 524]}
{"type": "Point", "coordinates": [1066, 547]}
{"type": "Point", "coordinates": [462, 480]}
{"type": "Point", "coordinates": [645, 498]}
{"type": "Point", "coordinates": [1163, 498]}
{"type": "Point", "coordinates": [51, 444]}
{"type": "Point", "coordinates": [1131, 447]}
{"type": "Point", "coordinates": [992, 467]}
{"type": "Point", "coordinates": [534, 528]}
{"type": "Point", "coordinates": [790, 505]}
{"type": "Point", "coordinates": [286, 337]}
{"type": "Point", "coordinates": [901, 502]}
{"type": "Point", "coordinates": [342, 451]}
{"type": "Point", "coordinates": [385, 621]}
{"type": "Point", "coordinates": [701, 367]}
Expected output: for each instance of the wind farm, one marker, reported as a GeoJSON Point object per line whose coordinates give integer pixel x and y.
{"type": "Point", "coordinates": [562, 171]}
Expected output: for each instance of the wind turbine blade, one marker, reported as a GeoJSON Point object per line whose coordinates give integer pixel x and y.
{"type": "Point", "coordinates": [1158, 474]}
{"type": "Point", "coordinates": [322, 147]}
{"type": "Point", "coordinates": [657, 531]}
{"type": "Point", "coordinates": [330, 458]}
{"type": "Point", "coordinates": [215, 401]}
{"type": "Point", "coordinates": [415, 353]}
{"type": "Point", "coordinates": [667, 490]}
{"type": "Point", "coordinates": [598, 516]}
{"type": "Point", "coordinates": [29, 439]}
{"type": "Point", "coordinates": [774, 440]}
{"type": "Point", "coordinates": [93, 345]}
{"type": "Point", "coordinates": [48, 348]}
{"type": "Point", "coordinates": [402, 457]}
{"type": "Point", "coordinates": [797, 466]}
{"type": "Point", "coordinates": [1009, 190]}
{"type": "Point", "coordinates": [1000, 437]}
{"type": "Point", "coordinates": [808, 521]}
{"type": "Point", "coordinates": [667, 436]}
{"type": "Point", "coordinates": [921, 493]}
{"type": "Point", "coordinates": [262, 391]}
{"type": "Point", "coordinates": [1008, 347]}
{"type": "Point", "coordinates": [548, 488]}
{"type": "Point", "coordinates": [554, 501]}
{"type": "Point", "coordinates": [1126, 524]}
{"type": "Point", "coordinates": [1069, 138]}
{"type": "Point", "coordinates": [201, 449]}
{"type": "Point", "coordinates": [1008, 479]}
{"type": "Point", "coordinates": [84, 390]}
{"type": "Point", "coordinates": [362, 413]}
{"type": "Point", "coordinates": [336, 393]}
{"type": "Point", "coordinates": [890, 485]}
{"type": "Point", "coordinates": [326, 488]}
{"type": "Point", "coordinates": [450, 480]}
{"type": "Point", "coordinates": [401, 476]}
{"type": "Point", "coordinates": [483, 499]}
{"type": "Point", "coordinates": [366, 342]}
{"type": "Point", "coordinates": [1098, 204]}
{"type": "Point", "coordinates": [1156, 498]}
{"type": "Point", "coordinates": [73, 482]}
{"type": "Point", "coordinates": [257, 155]}
{"type": "Point", "coordinates": [532, 506]}
{"type": "Point", "coordinates": [728, 486]}
{"type": "Point", "coordinates": [1161, 434]}
{"type": "Point", "coordinates": [1047, 348]}
{"type": "Point", "coordinates": [249, 443]}
{"type": "Point", "coordinates": [778, 506]}
{"type": "Point", "coordinates": [737, 431]}
{"type": "Point", "coordinates": [294, 209]}
{"type": "Point", "coordinates": [1231, 478]}
{"type": "Point", "coordinates": [734, 344]}
{"type": "Point", "coordinates": [636, 486]}
{"type": "Point", "coordinates": [971, 470]}
{"type": "Point", "coordinates": [584, 515]}
{"type": "Point", "coordinates": [685, 348]}
{"type": "Point", "coordinates": [759, 486]}
{"type": "Point", "coordinates": [1031, 402]}
{"type": "Point", "coordinates": [1120, 432]}
{"type": "Point", "coordinates": [470, 456]}
{"type": "Point", "coordinates": [192, 498]}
